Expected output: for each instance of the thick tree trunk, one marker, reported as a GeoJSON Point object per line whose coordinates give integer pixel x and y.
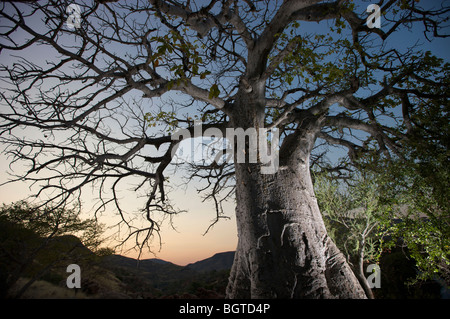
{"type": "Point", "coordinates": [283, 249]}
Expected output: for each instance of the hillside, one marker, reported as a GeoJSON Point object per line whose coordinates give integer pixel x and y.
{"type": "Point", "coordinates": [119, 277]}
{"type": "Point", "coordinates": [156, 278]}
{"type": "Point", "coordinates": [220, 261]}
{"type": "Point", "coordinates": [27, 274]}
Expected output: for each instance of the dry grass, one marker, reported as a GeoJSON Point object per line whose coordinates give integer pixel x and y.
{"type": "Point", "coordinates": [45, 290]}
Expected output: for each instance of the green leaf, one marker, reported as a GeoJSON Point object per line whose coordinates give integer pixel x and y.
{"type": "Point", "coordinates": [204, 74]}
{"type": "Point", "coordinates": [214, 91]}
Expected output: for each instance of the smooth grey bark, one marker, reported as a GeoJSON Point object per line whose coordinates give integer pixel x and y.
{"type": "Point", "coordinates": [283, 248]}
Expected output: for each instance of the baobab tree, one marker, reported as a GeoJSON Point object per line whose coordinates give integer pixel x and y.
{"type": "Point", "coordinates": [94, 93]}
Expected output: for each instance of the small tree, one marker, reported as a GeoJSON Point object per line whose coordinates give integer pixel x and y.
{"type": "Point", "coordinates": [34, 240]}
{"type": "Point", "coordinates": [351, 215]}
{"type": "Point", "coordinates": [418, 181]}
{"type": "Point", "coordinates": [418, 190]}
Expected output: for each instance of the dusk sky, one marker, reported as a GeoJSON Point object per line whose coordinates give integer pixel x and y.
{"type": "Point", "coordinates": [186, 242]}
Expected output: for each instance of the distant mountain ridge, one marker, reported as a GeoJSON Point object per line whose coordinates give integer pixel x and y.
{"type": "Point", "coordinates": [220, 261]}
{"type": "Point", "coordinates": [157, 277]}
{"type": "Point", "coordinates": [145, 264]}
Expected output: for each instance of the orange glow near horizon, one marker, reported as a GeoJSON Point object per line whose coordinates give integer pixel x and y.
{"type": "Point", "coordinates": [188, 244]}
{"type": "Point", "coordinates": [183, 245]}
